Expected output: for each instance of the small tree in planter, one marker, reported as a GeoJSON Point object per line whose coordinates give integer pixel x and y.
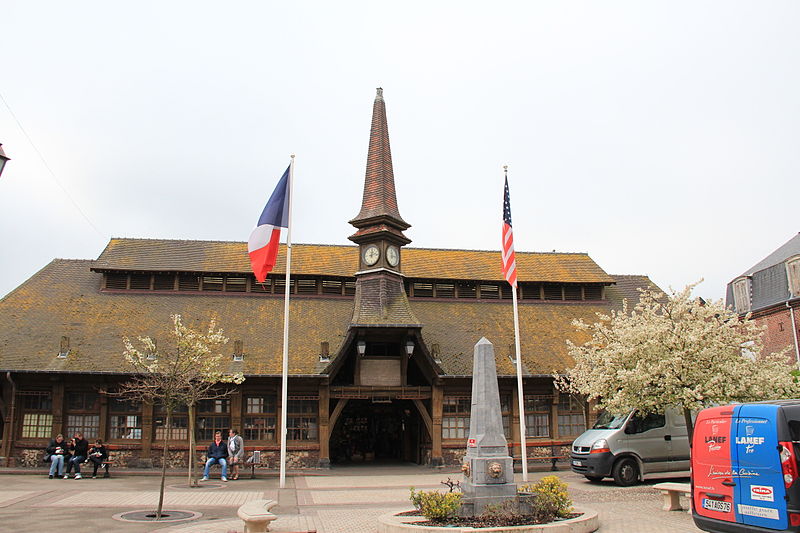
{"type": "Point", "coordinates": [188, 371]}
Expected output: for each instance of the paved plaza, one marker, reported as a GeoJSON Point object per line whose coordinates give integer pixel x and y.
{"type": "Point", "coordinates": [341, 500]}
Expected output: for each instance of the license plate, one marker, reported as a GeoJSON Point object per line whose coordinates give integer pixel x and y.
{"type": "Point", "coordinates": [717, 505]}
{"type": "Point", "coordinates": [577, 463]}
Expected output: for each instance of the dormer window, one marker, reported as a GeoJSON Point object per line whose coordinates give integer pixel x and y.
{"type": "Point", "coordinates": [63, 349]}
{"type": "Point", "coordinates": [741, 295]}
{"type": "Point", "coordinates": [793, 275]}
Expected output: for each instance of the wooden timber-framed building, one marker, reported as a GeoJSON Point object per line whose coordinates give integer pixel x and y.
{"type": "Point", "coordinates": [381, 341]}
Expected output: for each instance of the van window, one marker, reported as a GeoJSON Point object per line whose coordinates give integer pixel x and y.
{"type": "Point", "coordinates": [606, 420]}
{"type": "Point", "coordinates": [639, 424]}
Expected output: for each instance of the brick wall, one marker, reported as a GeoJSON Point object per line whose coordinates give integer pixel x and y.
{"type": "Point", "coordinates": [779, 331]}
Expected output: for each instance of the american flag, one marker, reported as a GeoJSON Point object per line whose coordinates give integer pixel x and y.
{"type": "Point", "coordinates": [509, 259]}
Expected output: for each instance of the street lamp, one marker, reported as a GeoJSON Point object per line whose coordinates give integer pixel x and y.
{"type": "Point", "coordinates": [409, 347]}
{"type": "Point", "coordinates": [361, 346]}
{"type": "Point", "coordinates": [3, 159]}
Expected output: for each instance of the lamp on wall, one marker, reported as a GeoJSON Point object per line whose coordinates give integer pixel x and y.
{"type": "Point", "coordinates": [361, 346]}
{"type": "Point", "coordinates": [409, 347]}
{"type": "Point", "coordinates": [3, 159]}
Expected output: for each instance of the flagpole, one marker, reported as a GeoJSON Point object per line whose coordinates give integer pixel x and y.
{"type": "Point", "coordinates": [285, 371]}
{"type": "Point", "coordinates": [520, 393]}
{"type": "Point", "coordinates": [521, 396]}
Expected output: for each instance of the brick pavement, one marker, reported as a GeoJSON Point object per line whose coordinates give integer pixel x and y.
{"type": "Point", "coordinates": [343, 500]}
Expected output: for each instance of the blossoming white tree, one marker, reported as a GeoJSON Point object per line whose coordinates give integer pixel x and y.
{"type": "Point", "coordinates": [675, 351]}
{"type": "Point", "coordinates": [190, 369]}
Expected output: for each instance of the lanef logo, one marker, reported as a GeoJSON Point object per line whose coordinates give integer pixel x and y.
{"type": "Point", "coordinates": [748, 430]}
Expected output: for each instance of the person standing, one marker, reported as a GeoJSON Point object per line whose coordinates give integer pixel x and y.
{"type": "Point", "coordinates": [57, 452]}
{"type": "Point", "coordinates": [217, 453]}
{"type": "Point", "coordinates": [235, 451]}
{"type": "Point", "coordinates": [79, 454]}
{"type": "Point", "coordinates": [97, 454]}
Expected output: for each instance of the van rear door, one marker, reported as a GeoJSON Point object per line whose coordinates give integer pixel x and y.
{"type": "Point", "coordinates": [713, 481]}
{"type": "Point", "coordinates": [761, 492]}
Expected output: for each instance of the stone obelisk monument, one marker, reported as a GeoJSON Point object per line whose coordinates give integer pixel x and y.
{"type": "Point", "coordinates": [488, 469]}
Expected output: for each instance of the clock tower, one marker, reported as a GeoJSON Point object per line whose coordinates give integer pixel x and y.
{"type": "Point", "coordinates": [380, 295]}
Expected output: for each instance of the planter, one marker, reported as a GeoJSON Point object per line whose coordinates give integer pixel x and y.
{"type": "Point", "coordinates": [585, 523]}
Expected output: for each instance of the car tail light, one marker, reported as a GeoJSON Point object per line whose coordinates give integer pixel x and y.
{"type": "Point", "coordinates": [788, 463]}
{"type": "Point", "coordinates": [794, 519]}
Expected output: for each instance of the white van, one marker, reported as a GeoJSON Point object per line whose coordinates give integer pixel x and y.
{"type": "Point", "coordinates": [627, 447]}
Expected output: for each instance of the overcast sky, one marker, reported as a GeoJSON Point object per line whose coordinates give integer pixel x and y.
{"type": "Point", "coordinates": [659, 137]}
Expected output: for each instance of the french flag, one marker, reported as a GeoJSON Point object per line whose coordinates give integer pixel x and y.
{"type": "Point", "coordinates": [263, 243]}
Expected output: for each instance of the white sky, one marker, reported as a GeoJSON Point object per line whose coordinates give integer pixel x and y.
{"type": "Point", "coordinates": [659, 137]}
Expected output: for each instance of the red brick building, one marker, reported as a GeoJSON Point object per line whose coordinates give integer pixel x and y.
{"type": "Point", "coordinates": [381, 341]}
{"type": "Point", "coordinates": [770, 290]}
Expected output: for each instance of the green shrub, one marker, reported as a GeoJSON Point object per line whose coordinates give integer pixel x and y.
{"type": "Point", "coordinates": [436, 506]}
{"type": "Point", "coordinates": [549, 498]}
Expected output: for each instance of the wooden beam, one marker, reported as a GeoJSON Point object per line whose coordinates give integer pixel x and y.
{"type": "Point", "coordinates": [425, 416]}
{"type": "Point", "coordinates": [336, 412]}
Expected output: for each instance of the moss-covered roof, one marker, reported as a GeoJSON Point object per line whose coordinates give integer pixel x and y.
{"type": "Point", "coordinates": [342, 261]}
{"type": "Point", "coordinates": [64, 299]}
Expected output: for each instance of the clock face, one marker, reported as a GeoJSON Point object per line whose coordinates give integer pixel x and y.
{"type": "Point", "coordinates": [371, 255]}
{"type": "Point", "coordinates": [393, 255]}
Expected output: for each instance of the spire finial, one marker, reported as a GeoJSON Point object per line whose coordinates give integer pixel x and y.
{"type": "Point", "coordinates": [379, 90]}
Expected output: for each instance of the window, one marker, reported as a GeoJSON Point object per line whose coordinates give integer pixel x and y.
{"type": "Point", "coordinates": [571, 419]}
{"type": "Point", "coordinates": [793, 275]}
{"type": "Point", "coordinates": [260, 417]}
{"type": "Point", "coordinates": [640, 424]}
{"type": "Point", "coordinates": [467, 289]}
{"type": "Point", "coordinates": [235, 284]}
{"type": "Point", "coordinates": [445, 290]}
{"type": "Point", "coordinates": [593, 292]}
{"type": "Point", "coordinates": [489, 292]}
{"type": "Point", "coordinates": [422, 290]}
{"type": "Point", "coordinates": [330, 286]}
{"type": "Point", "coordinates": [213, 416]}
{"type": "Point", "coordinates": [125, 422]}
{"type": "Point", "coordinates": [179, 429]}
{"type": "Point", "coordinates": [553, 292]}
{"type": "Point", "coordinates": [741, 295]}
{"type": "Point", "coordinates": [573, 292]}
{"type": "Point", "coordinates": [37, 414]}
{"type": "Point", "coordinates": [505, 408]}
{"type": "Point", "coordinates": [455, 417]}
{"type": "Point", "coordinates": [83, 414]}
{"type": "Point", "coordinates": [163, 282]}
{"type": "Point", "coordinates": [116, 281]}
{"type": "Point", "coordinates": [301, 419]}
{"type": "Point", "coordinates": [530, 291]}
{"type": "Point", "coordinates": [537, 416]}
{"type": "Point", "coordinates": [140, 281]}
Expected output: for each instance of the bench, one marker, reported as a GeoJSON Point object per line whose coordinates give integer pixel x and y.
{"type": "Point", "coordinates": [552, 458]}
{"type": "Point", "coordinates": [256, 515]}
{"type": "Point", "coordinates": [672, 495]}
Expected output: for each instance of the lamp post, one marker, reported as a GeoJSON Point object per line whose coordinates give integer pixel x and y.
{"type": "Point", "coordinates": [3, 159]}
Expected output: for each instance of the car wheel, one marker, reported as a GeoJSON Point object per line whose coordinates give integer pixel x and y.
{"type": "Point", "coordinates": [626, 472]}
{"type": "Point", "coordinates": [594, 479]}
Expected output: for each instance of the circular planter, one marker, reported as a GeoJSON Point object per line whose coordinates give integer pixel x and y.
{"type": "Point", "coordinates": [585, 523]}
{"type": "Point", "coordinates": [149, 515]}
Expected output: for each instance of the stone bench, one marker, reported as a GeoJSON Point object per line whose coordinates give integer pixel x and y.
{"type": "Point", "coordinates": [672, 495]}
{"type": "Point", "coordinates": [256, 515]}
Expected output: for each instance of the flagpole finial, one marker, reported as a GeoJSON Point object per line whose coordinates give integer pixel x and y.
{"type": "Point", "coordinates": [292, 156]}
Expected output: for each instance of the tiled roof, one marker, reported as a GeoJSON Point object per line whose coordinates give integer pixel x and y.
{"type": "Point", "coordinates": [788, 249]}
{"type": "Point", "coordinates": [380, 198]}
{"type": "Point", "coordinates": [64, 299]}
{"type": "Point", "coordinates": [342, 260]}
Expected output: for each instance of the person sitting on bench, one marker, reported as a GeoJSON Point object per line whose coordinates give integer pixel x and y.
{"type": "Point", "coordinates": [97, 455]}
{"type": "Point", "coordinates": [217, 453]}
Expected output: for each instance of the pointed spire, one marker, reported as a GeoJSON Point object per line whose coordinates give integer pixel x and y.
{"type": "Point", "coordinates": [380, 199]}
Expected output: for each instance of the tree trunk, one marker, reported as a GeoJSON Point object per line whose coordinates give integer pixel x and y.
{"type": "Point", "coordinates": [192, 443]}
{"type": "Point", "coordinates": [687, 415]}
{"type": "Point", "coordinates": [168, 430]}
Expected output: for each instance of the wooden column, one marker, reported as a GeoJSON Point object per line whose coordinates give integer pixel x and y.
{"type": "Point", "coordinates": [236, 409]}
{"type": "Point", "coordinates": [102, 432]}
{"type": "Point", "coordinates": [147, 430]}
{"type": "Point", "coordinates": [10, 417]}
{"type": "Point", "coordinates": [58, 409]}
{"type": "Point", "coordinates": [437, 400]}
{"type": "Point", "coordinates": [324, 427]}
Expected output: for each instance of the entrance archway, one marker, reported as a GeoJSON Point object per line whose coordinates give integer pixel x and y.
{"type": "Point", "coordinates": [368, 431]}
